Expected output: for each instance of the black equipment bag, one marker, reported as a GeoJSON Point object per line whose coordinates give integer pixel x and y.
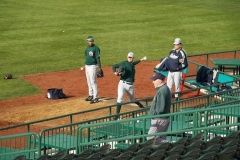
{"type": "Point", "coordinates": [55, 93]}
{"type": "Point", "coordinates": [204, 76]}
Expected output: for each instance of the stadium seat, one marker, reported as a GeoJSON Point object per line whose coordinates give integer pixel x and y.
{"type": "Point", "coordinates": [86, 153]}
{"type": "Point", "coordinates": [44, 157]}
{"type": "Point", "coordinates": [139, 157]}
{"type": "Point", "coordinates": [158, 154]}
{"type": "Point", "coordinates": [134, 147]}
{"type": "Point", "coordinates": [126, 155]}
{"type": "Point", "coordinates": [212, 148]}
{"type": "Point", "coordinates": [195, 144]}
{"type": "Point", "coordinates": [173, 157]}
{"type": "Point", "coordinates": [103, 149]}
{"type": "Point", "coordinates": [59, 155]}
{"type": "Point", "coordinates": [228, 152]}
{"type": "Point", "coordinates": [163, 146]}
{"type": "Point", "coordinates": [145, 150]}
{"type": "Point", "coordinates": [192, 154]}
{"type": "Point", "coordinates": [113, 153]}
{"type": "Point", "coordinates": [179, 149]}
{"type": "Point", "coordinates": [208, 156]}
{"type": "Point", "coordinates": [21, 157]}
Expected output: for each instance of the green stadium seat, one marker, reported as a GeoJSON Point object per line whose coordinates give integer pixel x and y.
{"type": "Point", "coordinates": [208, 156]}
{"type": "Point", "coordinates": [192, 154]}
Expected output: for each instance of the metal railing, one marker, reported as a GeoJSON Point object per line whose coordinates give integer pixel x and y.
{"type": "Point", "coordinates": [93, 135]}
{"type": "Point", "coordinates": [20, 144]}
{"type": "Point", "coordinates": [52, 137]}
{"type": "Point", "coordinates": [220, 98]}
{"type": "Point", "coordinates": [64, 137]}
{"type": "Point", "coordinates": [172, 136]}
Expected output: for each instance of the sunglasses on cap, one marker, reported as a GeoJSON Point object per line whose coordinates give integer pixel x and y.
{"type": "Point", "coordinates": [130, 57]}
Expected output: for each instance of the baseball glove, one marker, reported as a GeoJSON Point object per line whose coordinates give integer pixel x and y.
{"type": "Point", "coordinates": [100, 73]}
{"type": "Point", "coordinates": [7, 76]}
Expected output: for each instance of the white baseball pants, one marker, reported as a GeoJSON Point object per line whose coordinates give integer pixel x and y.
{"type": "Point", "coordinates": [91, 75]}
{"type": "Point", "coordinates": [174, 78]}
{"type": "Point", "coordinates": [124, 87]}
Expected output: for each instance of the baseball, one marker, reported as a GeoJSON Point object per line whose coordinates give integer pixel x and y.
{"type": "Point", "coordinates": [145, 58]}
{"type": "Point", "coordinates": [63, 31]}
{"type": "Point", "coordinates": [82, 68]}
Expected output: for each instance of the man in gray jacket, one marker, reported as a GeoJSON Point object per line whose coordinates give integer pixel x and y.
{"type": "Point", "coordinates": [160, 105]}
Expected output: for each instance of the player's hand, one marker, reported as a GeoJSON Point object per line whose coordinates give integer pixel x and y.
{"type": "Point", "coordinates": [181, 60]}
{"type": "Point", "coordinates": [144, 58]}
{"type": "Point", "coordinates": [158, 65]}
{"type": "Point", "coordinates": [117, 73]}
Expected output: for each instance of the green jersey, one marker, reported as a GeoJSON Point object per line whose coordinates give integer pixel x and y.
{"type": "Point", "coordinates": [92, 55]}
{"type": "Point", "coordinates": [127, 70]}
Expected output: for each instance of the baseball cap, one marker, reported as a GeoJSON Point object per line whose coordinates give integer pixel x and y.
{"type": "Point", "coordinates": [90, 38]}
{"type": "Point", "coordinates": [177, 41]}
{"type": "Point", "coordinates": [157, 76]}
{"type": "Point", "coordinates": [130, 54]}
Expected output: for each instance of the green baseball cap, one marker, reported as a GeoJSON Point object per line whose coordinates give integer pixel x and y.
{"type": "Point", "coordinates": [90, 38]}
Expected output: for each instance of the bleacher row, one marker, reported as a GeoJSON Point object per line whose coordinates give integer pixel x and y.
{"type": "Point", "coordinates": [186, 148]}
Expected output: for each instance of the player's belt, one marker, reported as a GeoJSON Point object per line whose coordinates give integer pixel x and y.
{"type": "Point", "coordinates": [129, 83]}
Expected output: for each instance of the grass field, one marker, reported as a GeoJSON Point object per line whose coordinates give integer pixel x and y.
{"type": "Point", "coordinates": [49, 35]}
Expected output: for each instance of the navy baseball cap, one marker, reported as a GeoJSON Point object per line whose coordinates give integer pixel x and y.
{"type": "Point", "coordinates": [158, 76]}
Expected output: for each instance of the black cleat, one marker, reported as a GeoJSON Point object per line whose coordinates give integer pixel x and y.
{"type": "Point", "coordinates": [96, 100]}
{"type": "Point", "coordinates": [89, 98]}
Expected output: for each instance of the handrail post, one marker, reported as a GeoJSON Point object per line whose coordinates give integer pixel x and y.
{"type": "Point", "coordinates": [110, 110]}
{"type": "Point", "coordinates": [71, 121]}
{"type": "Point", "coordinates": [207, 60]}
{"type": "Point", "coordinates": [28, 128]}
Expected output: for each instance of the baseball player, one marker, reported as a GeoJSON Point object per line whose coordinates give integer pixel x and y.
{"type": "Point", "coordinates": [92, 64]}
{"type": "Point", "coordinates": [126, 71]}
{"type": "Point", "coordinates": [177, 66]}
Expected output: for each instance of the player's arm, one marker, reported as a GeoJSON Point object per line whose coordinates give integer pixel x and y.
{"type": "Point", "coordinates": [138, 61]}
{"type": "Point", "coordinates": [98, 58]}
{"type": "Point", "coordinates": [114, 67]}
{"type": "Point", "coordinates": [183, 60]}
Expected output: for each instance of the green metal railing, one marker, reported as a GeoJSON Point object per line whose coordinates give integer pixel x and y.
{"type": "Point", "coordinates": [172, 136]}
{"type": "Point", "coordinates": [64, 137]}
{"type": "Point", "coordinates": [212, 99]}
{"type": "Point", "coordinates": [179, 121]}
{"type": "Point", "coordinates": [117, 133]}
{"type": "Point", "coordinates": [20, 144]}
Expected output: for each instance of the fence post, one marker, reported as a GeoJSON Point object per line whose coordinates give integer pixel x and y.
{"type": "Point", "coordinates": [207, 60]}
{"type": "Point", "coordinates": [28, 128]}
{"type": "Point", "coordinates": [110, 110]}
{"type": "Point", "coordinates": [71, 121]}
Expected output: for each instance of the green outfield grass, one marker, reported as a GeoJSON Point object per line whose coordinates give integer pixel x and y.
{"type": "Point", "coordinates": [49, 35]}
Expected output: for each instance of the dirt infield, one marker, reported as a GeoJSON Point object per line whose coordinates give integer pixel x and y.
{"type": "Point", "coordinates": [74, 85]}
{"type": "Point", "coordinates": [73, 82]}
